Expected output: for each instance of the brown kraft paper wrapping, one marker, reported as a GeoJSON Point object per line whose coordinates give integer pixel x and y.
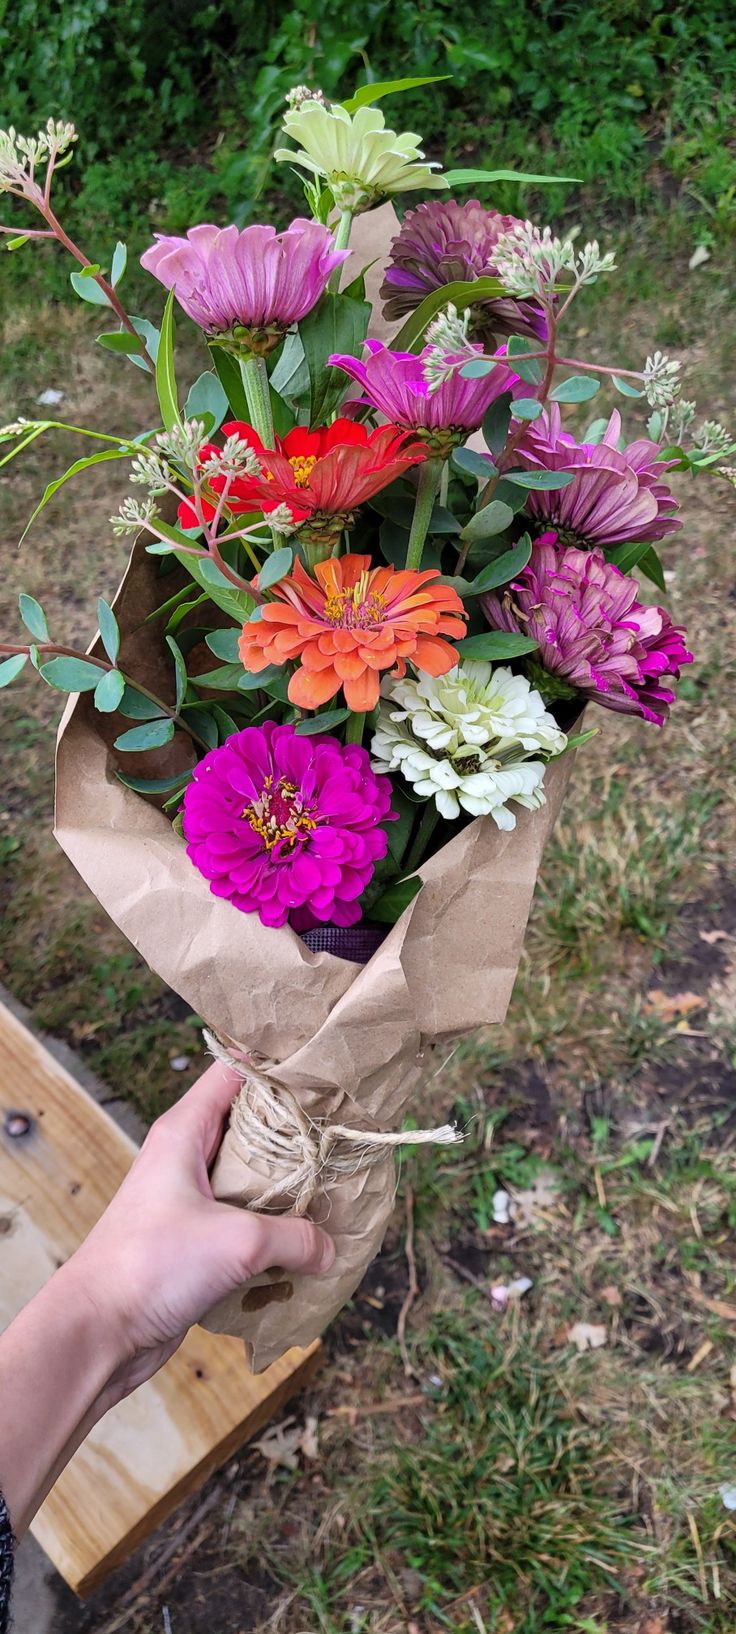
{"type": "Point", "coordinates": [351, 1043]}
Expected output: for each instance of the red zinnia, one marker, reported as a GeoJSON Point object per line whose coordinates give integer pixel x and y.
{"type": "Point", "coordinates": [318, 474]}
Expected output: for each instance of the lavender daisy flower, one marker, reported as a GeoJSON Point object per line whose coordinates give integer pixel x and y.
{"type": "Point", "coordinates": [595, 637]}
{"type": "Point", "coordinates": [616, 494]}
{"type": "Point", "coordinates": [286, 826]}
{"type": "Point", "coordinates": [248, 286]}
{"type": "Point", "coordinates": [396, 385]}
{"type": "Point", "coordinates": [442, 241]}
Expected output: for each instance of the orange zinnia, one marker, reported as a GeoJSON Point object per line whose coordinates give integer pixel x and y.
{"type": "Point", "coordinates": [350, 622]}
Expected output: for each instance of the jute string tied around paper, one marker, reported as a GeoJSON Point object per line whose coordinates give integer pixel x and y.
{"type": "Point", "coordinates": [310, 1152]}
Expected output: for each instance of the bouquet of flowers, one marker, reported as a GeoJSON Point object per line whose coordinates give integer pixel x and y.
{"type": "Point", "coordinates": [310, 762]}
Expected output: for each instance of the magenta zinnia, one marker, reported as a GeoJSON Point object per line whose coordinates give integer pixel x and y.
{"type": "Point", "coordinates": [288, 827]}
{"type": "Point", "coordinates": [616, 495]}
{"type": "Point", "coordinates": [251, 284]}
{"type": "Point", "coordinates": [594, 635]}
{"type": "Point", "coordinates": [394, 383]}
{"type": "Point", "coordinates": [442, 241]}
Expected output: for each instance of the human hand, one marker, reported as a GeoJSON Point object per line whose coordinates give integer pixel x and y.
{"type": "Point", "coordinates": [164, 1250]}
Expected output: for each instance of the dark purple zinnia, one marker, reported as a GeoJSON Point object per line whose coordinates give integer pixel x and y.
{"type": "Point", "coordinates": [442, 241]}
{"type": "Point", "coordinates": [594, 635]}
{"type": "Point", "coordinates": [287, 826]}
{"type": "Point", "coordinates": [616, 495]}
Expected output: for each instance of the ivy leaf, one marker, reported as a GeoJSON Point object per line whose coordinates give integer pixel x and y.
{"type": "Point", "coordinates": [276, 567]}
{"type": "Point", "coordinates": [33, 617]}
{"type": "Point", "coordinates": [109, 691]}
{"type": "Point", "coordinates": [153, 735]}
{"type": "Point", "coordinates": [10, 667]}
{"type": "Point", "coordinates": [224, 644]}
{"type": "Point", "coordinates": [109, 630]}
{"type": "Point", "coordinates": [391, 905]}
{"type": "Point", "coordinates": [495, 645]}
{"type": "Point", "coordinates": [71, 674]}
{"type": "Point", "coordinates": [578, 388]}
{"type": "Point", "coordinates": [321, 723]}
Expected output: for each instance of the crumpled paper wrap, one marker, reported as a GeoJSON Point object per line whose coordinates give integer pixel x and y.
{"type": "Point", "coordinates": [352, 1043]}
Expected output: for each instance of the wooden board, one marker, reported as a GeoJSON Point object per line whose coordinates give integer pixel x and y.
{"type": "Point", "coordinates": [161, 1443]}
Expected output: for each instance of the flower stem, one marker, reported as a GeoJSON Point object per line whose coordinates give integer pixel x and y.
{"type": "Point", "coordinates": [258, 392]}
{"type": "Point", "coordinates": [427, 826]}
{"type": "Point", "coordinates": [354, 727]}
{"type": "Point", "coordinates": [430, 473]}
{"type": "Point", "coordinates": [341, 240]}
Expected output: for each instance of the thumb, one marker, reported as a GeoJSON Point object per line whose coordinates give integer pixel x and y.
{"type": "Point", "coordinates": [259, 1241]}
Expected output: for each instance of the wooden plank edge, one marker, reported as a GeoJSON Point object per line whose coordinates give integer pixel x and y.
{"type": "Point", "coordinates": [272, 1401]}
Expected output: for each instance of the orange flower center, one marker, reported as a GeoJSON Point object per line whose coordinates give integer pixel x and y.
{"type": "Point", "coordinates": [302, 466]}
{"type": "Point", "coordinates": [279, 814]}
{"type": "Point", "coordinates": [356, 609]}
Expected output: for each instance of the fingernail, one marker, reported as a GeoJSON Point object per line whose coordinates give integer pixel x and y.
{"type": "Point", "coordinates": [328, 1252]}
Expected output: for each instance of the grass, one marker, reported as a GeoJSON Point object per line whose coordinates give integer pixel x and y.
{"type": "Point", "coordinates": [512, 1485]}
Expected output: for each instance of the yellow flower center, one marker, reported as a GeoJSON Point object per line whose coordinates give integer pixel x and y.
{"type": "Point", "coordinates": [302, 466]}
{"type": "Point", "coordinates": [356, 609]}
{"type": "Point", "coordinates": [280, 815]}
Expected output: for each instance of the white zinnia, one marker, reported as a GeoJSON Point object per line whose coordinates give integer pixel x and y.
{"type": "Point", "coordinates": [359, 158]}
{"type": "Point", "coordinates": [465, 740]}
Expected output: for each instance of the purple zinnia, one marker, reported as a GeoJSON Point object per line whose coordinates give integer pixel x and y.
{"type": "Point", "coordinates": [395, 384]}
{"type": "Point", "coordinates": [442, 241]}
{"type": "Point", "coordinates": [287, 826]}
{"type": "Point", "coordinates": [616, 495]}
{"type": "Point", "coordinates": [594, 635]}
{"type": "Point", "coordinates": [255, 280]}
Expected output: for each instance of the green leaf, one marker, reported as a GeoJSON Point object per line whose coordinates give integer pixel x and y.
{"type": "Point", "coordinates": [109, 630]}
{"type": "Point", "coordinates": [252, 683]}
{"type": "Point", "coordinates": [79, 465]}
{"type": "Point", "coordinates": [516, 349]}
{"type": "Point", "coordinates": [336, 324]}
{"type": "Point", "coordinates": [576, 389]}
{"type": "Point", "coordinates": [17, 243]}
{"type": "Point", "coordinates": [595, 432]}
{"type": "Point", "coordinates": [503, 568]}
{"type": "Point", "coordinates": [224, 645]}
{"type": "Point", "coordinates": [137, 707]}
{"type": "Point", "coordinates": [496, 645]}
{"type": "Point", "coordinates": [165, 376]}
{"type": "Point", "coordinates": [366, 95]}
{"type": "Point", "coordinates": [539, 479]}
{"type": "Point", "coordinates": [33, 616]}
{"type": "Point", "coordinates": [391, 905]}
{"type": "Point", "coordinates": [625, 388]}
{"type": "Point", "coordinates": [151, 736]}
{"type": "Point", "coordinates": [119, 263]}
{"type": "Point", "coordinates": [180, 671]}
{"type": "Point", "coordinates": [527, 408]}
{"type": "Point", "coordinates": [155, 785]}
{"type": "Point", "coordinates": [321, 723]}
{"type": "Point", "coordinates": [579, 738]}
{"type": "Point", "coordinates": [109, 691]}
{"type": "Point", "coordinates": [231, 380]}
{"type": "Point", "coordinates": [207, 728]}
{"type": "Point", "coordinates": [460, 293]}
{"type": "Point", "coordinates": [225, 723]}
{"type": "Point", "coordinates": [475, 465]}
{"type": "Point", "coordinates": [289, 375]}
{"type": "Point", "coordinates": [223, 679]}
{"type": "Point", "coordinates": [118, 340]}
{"type": "Point", "coordinates": [468, 177]}
{"type": "Point", "coordinates": [207, 396]}
{"type": "Point", "coordinates": [399, 508]}
{"type": "Point", "coordinates": [276, 567]}
{"type": "Point", "coordinates": [152, 338]}
{"type": "Point", "coordinates": [399, 832]}
{"type": "Point", "coordinates": [496, 423]}
{"type": "Point", "coordinates": [180, 613]}
{"type": "Point", "coordinates": [71, 674]}
{"type": "Point", "coordinates": [10, 667]}
{"type": "Point", "coordinates": [651, 566]}
{"type": "Point", "coordinates": [85, 287]}
{"type": "Point", "coordinates": [236, 603]}
{"type": "Point", "coordinates": [488, 522]}
{"type": "Point", "coordinates": [478, 368]}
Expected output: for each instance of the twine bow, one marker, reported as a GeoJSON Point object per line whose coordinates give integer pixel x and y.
{"type": "Point", "coordinates": [311, 1153]}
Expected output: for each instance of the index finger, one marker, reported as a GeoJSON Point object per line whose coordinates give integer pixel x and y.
{"type": "Point", "coordinates": [204, 1108]}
